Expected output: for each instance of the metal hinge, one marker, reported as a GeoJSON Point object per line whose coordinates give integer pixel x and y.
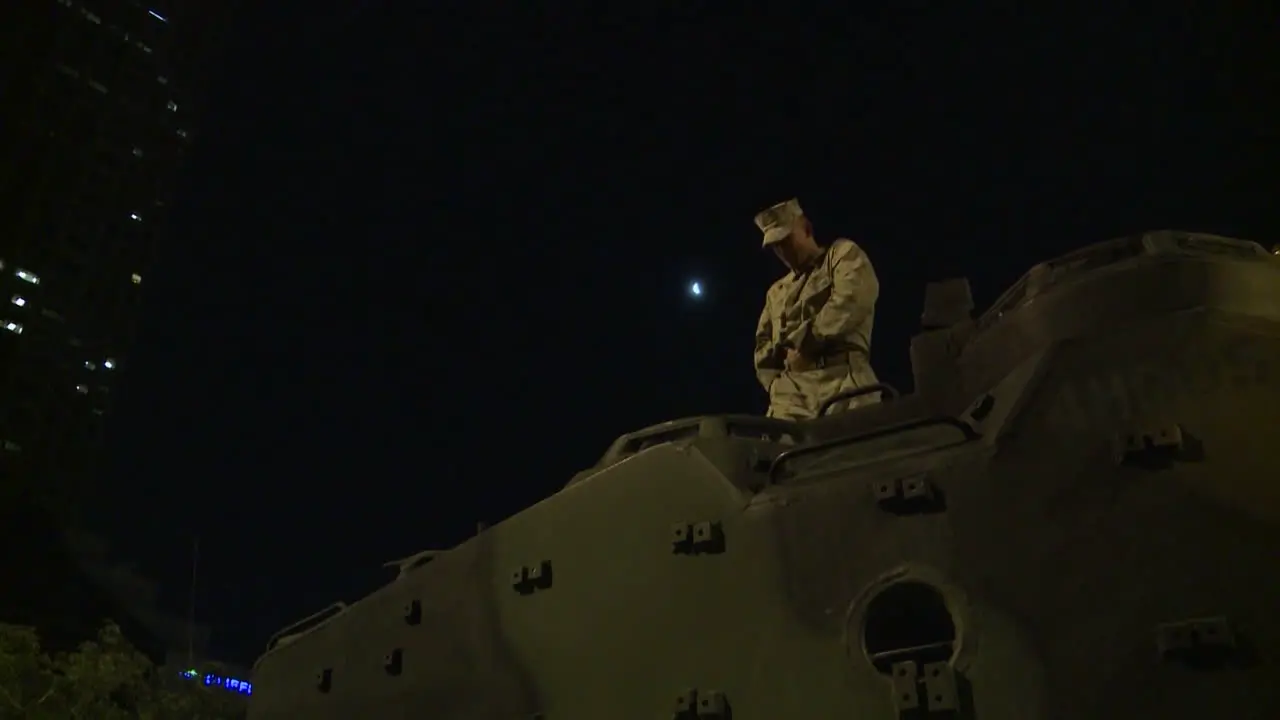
{"type": "Point", "coordinates": [1202, 643]}
{"type": "Point", "coordinates": [931, 691]}
{"type": "Point", "coordinates": [324, 679]}
{"type": "Point", "coordinates": [701, 705]}
{"type": "Point", "coordinates": [1155, 447]}
{"type": "Point", "coordinates": [908, 496]}
{"type": "Point", "coordinates": [393, 662]}
{"type": "Point", "coordinates": [531, 578]}
{"type": "Point", "coordinates": [700, 538]}
{"type": "Point", "coordinates": [412, 612]}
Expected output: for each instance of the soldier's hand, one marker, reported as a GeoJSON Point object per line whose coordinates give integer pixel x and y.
{"type": "Point", "coordinates": [797, 362]}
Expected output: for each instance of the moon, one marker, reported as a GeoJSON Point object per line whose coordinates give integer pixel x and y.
{"type": "Point", "coordinates": [695, 289]}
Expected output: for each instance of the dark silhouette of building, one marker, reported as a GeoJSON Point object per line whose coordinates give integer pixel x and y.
{"type": "Point", "coordinates": [97, 120]}
{"type": "Point", "coordinates": [98, 100]}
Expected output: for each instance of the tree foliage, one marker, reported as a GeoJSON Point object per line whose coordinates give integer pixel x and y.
{"type": "Point", "coordinates": [103, 679]}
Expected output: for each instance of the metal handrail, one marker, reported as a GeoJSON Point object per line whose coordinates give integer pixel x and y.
{"type": "Point", "coordinates": [313, 619]}
{"type": "Point", "coordinates": [968, 430]}
{"type": "Point", "coordinates": [886, 388]}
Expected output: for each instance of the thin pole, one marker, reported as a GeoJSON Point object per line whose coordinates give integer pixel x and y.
{"type": "Point", "coordinates": [191, 603]}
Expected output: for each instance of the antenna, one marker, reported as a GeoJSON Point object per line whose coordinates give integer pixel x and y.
{"type": "Point", "coordinates": [191, 603]}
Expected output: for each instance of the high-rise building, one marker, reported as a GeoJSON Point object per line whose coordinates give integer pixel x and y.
{"type": "Point", "coordinates": [97, 115]}
{"type": "Point", "coordinates": [96, 97]}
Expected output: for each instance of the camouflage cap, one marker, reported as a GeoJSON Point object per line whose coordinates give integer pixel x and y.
{"type": "Point", "coordinates": [776, 222]}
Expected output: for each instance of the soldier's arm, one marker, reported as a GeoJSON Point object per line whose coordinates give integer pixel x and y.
{"type": "Point", "coordinates": [768, 358]}
{"type": "Point", "coordinates": [854, 290]}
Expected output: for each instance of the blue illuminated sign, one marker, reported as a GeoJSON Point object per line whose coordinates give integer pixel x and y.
{"type": "Point", "coordinates": [244, 687]}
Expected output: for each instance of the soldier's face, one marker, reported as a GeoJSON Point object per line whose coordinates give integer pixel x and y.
{"type": "Point", "coordinates": [788, 251]}
{"type": "Point", "coordinates": [797, 247]}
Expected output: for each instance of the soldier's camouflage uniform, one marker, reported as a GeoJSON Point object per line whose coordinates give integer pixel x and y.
{"type": "Point", "coordinates": [827, 313]}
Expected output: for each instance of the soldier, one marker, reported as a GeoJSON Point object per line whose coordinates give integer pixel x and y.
{"type": "Point", "coordinates": [813, 339]}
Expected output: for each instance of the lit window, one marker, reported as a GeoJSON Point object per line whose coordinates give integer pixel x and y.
{"type": "Point", "coordinates": [98, 86]}
{"type": "Point", "coordinates": [157, 16]}
{"type": "Point", "coordinates": [109, 364]}
{"type": "Point", "coordinates": [82, 389]}
{"type": "Point", "coordinates": [144, 48]}
{"type": "Point", "coordinates": [137, 279]}
{"type": "Point", "coordinates": [137, 152]}
{"type": "Point", "coordinates": [30, 277]}
{"type": "Point", "coordinates": [173, 106]}
{"type": "Point", "coordinates": [162, 80]}
{"type": "Point", "coordinates": [13, 327]}
{"type": "Point", "coordinates": [135, 217]}
{"type": "Point", "coordinates": [18, 300]}
{"type": "Point", "coordinates": [92, 18]}
{"type": "Point", "coordinates": [90, 365]}
{"type": "Point", "coordinates": [182, 133]}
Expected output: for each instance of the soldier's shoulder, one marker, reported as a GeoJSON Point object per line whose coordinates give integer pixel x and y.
{"type": "Point", "coordinates": [849, 255]}
{"type": "Point", "coordinates": [844, 247]}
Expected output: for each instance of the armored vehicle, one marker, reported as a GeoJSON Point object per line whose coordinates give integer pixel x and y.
{"type": "Point", "coordinates": [1075, 515]}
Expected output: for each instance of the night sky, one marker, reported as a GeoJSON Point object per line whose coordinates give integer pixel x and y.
{"type": "Point", "coordinates": [425, 265]}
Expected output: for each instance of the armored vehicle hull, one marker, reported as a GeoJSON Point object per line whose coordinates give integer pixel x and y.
{"type": "Point", "coordinates": [1076, 516]}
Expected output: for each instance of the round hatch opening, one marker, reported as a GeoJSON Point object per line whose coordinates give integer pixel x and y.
{"type": "Point", "coordinates": [908, 622]}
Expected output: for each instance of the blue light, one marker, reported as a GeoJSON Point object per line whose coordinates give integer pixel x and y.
{"type": "Point", "coordinates": [695, 289]}
{"type": "Point", "coordinates": [244, 687]}
{"type": "Point", "coordinates": [157, 16]}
